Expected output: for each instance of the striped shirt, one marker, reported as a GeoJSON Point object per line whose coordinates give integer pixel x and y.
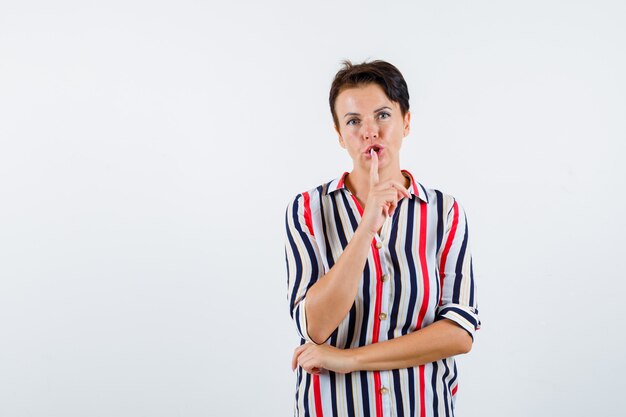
{"type": "Point", "coordinates": [418, 270]}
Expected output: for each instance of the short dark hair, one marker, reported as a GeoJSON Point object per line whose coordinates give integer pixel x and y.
{"type": "Point", "coordinates": [387, 76]}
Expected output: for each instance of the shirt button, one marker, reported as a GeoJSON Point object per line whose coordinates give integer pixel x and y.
{"type": "Point", "coordinates": [379, 245]}
{"type": "Point", "coordinates": [385, 277]}
{"type": "Point", "coordinates": [384, 390]}
{"type": "Point", "coordinates": [382, 316]}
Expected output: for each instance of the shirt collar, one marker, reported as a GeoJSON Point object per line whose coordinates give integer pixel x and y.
{"type": "Point", "coordinates": [415, 187]}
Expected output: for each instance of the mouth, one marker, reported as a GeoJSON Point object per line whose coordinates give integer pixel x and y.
{"type": "Point", "coordinates": [377, 148]}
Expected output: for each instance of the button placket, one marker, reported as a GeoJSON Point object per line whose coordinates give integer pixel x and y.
{"type": "Point", "coordinates": [384, 308]}
{"type": "Point", "coordinates": [385, 392]}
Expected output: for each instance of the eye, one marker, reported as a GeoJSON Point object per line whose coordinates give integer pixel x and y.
{"type": "Point", "coordinates": [350, 122]}
{"type": "Point", "coordinates": [384, 115]}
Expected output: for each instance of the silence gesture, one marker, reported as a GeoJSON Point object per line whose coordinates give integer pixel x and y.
{"type": "Point", "coordinates": [382, 198]}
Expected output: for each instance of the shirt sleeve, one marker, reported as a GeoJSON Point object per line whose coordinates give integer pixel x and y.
{"type": "Point", "coordinates": [303, 259]}
{"type": "Point", "coordinates": [458, 297]}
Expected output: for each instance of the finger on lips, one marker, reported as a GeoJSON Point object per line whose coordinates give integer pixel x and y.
{"type": "Point", "coordinates": [373, 168]}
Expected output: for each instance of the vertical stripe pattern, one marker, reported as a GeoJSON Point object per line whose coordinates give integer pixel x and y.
{"type": "Point", "coordinates": [419, 270]}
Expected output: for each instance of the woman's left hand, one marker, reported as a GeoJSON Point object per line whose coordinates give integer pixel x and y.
{"type": "Point", "coordinates": [315, 358]}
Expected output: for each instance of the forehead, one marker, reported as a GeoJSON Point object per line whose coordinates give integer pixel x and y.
{"type": "Point", "coordinates": [363, 97]}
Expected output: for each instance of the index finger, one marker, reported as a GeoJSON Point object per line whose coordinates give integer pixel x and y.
{"type": "Point", "coordinates": [400, 188]}
{"type": "Point", "coordinates": [373, 168]}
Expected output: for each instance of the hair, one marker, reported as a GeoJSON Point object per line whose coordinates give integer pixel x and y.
{"type": "Point", "coordinates": [387, 76]}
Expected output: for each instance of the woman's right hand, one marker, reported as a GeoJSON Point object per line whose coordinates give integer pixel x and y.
{"type": "Point", "coordinates": [382, 199]}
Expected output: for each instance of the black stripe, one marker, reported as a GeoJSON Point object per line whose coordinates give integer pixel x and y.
{"type": "Point", "coordinates": [310, 251]}
{"type": "Point", "coordinates": [297, 320]}
{"type": "Point", "coordinates": [305, 394]}
{"type": "Point", "coordinates": [333, 392]}
{"type": "Point", "coordinates": [439, 219]}
{"type": "Point", "coordinates": [408, 250]}
{"type": "Point", "coordinates": [433, 383]}
{"type": "Point", "coordinates": [456, 293]}
{"type": "Point", "coordinates": [352, 313]}
{"type": "Point", "coordinates": [425, 193]}
{"type": "Point", "coordinates": [471, 296]}
{"type": "Point", "coordinates": [349, 396]}
{"type": "Point", "coordinates": [365, 396]}
{"type": "Point", "coordinates": [329, 253]}
{"type": "Point", "coordinates": [298, 382]}
{"type": "Point", "coordinates": [351, 326]}
{"type": "Point", "coordinates": [445, 391]}
{"type": "Point", "coordinates": [287, 260]}
{"type": "Point", "coordinates": [460, 312]}
{"type": "Point", "coordinates": [396, 289]}
{"type": "Point", "coordinates": [454, 375]}
{"type": "Point", "coordinates": [398, 393]}
{"type": "Point", "coordinates": [353, 221]}
{"type": "Point", "coordinates": [338, 224]}
{"type": "Point", "coordinates": [411, 372]}
{"type": "Point", "coordinates": [366, 306]}
{"type": "Point", "coordinates": [344, 242]}
{"type": "Point", "coordinates": [440, 222]}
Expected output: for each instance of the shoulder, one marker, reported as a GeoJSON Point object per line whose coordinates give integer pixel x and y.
{"type": "Point", "coordinates": [444, 202]}
{"type": "Point", "coordinates": [310, 200]}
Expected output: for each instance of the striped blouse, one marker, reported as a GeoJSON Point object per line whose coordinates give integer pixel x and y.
{"type": "Point", "coordinates": [419, 270]}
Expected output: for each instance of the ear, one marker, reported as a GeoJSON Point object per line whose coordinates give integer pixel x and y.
{"type": "Point", "coordinates": [341, 142]}
{"type": "Point", "coordinates": [407, 123]}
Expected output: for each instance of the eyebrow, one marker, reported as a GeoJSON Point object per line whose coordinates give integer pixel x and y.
{"type": "Point", "coordinates": [358, 114]}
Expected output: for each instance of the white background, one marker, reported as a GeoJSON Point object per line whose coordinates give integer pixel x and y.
{"type": "Point", "coordinates": [148, 151]}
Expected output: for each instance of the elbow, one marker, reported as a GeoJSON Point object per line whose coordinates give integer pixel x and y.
{"type": "Point", "coordinates": [465, 342]}
{"type": "Point", "coordinates": [315, 334]}
{"type": "Point", "coordinates": [461, 340]}
{"type": "Point", "coordinates": [317, 337]}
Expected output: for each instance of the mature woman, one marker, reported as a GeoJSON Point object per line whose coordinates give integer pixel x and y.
{"type": "Point", "coordinates": [380, 278]}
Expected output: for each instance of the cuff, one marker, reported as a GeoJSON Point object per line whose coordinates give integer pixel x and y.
{"type": "Point", "coordinates": [464, 316]}
{"type": "Point", "coordinates": [301, 324]}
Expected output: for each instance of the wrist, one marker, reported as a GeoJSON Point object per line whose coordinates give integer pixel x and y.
{"type": "Point", "coordinates": [352, 356]}
{"type": "Point", "coordinates": [362, 231]}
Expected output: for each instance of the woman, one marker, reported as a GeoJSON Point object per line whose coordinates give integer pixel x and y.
{"type": "Point", "coordinates": [380, 277]}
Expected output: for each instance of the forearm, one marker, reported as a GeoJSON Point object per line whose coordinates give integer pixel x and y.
{"type": "Point", "coordinates": [329, 300]}
{"type": "Point", "coordinates": [438, 340]}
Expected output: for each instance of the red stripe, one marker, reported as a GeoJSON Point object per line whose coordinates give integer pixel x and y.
{"type": "Point", "coordinates": [316, 378]}
{"type": "Point", "coordinates": [379, 396]}
{"type": "Point", "coordinates": [341, 180]}
{"type": "Point", "coordinates": [424, 265]}
{"type": "Point", "coordinates": [307, 211]}
{"type": "Point", "coordinates": [318, 396]}
{"type": "Point", "coordinates": [425, 296]}
{"type": "Point", "coordinates": [444, 256]}
{"type": "Point", "coordinates": [454, 389]}
{"type": "Point", "coordinates": [422, 399]}
{"type": "Point", "coordinates": [379, 290]}
{"type": "Point", "coordinates": [377, 307]}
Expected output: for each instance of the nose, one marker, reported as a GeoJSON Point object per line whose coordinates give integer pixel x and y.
{"type": "Point", "coordinates": [370, 130]}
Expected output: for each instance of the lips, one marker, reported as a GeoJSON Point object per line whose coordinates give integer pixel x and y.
{"type": "Point", "coordinates": [377, 148]}
{"type": "Point", "coordinates": [380, 151]}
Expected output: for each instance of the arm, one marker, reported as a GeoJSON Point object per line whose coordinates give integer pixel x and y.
{"type": "Point", "coordinates": [321, 301]}
{"type": "Point", "coordinates": [458, 301]}
{"type": "Point", "coordinates": [438, 340]}
{"type": "Point", "coordinates": [456, 317]}
{"type": "Point", "coordinates": [330, 299]}
{"type": "Point", "coordinates": [452, 333]}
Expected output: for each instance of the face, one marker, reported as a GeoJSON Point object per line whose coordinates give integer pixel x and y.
{"type": "Point", "coordinates": [368, 118]}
